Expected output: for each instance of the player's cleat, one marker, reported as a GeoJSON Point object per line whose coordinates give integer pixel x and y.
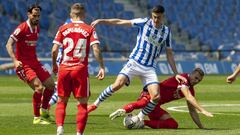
{"type": "Point", "coordinates": [45, 115]}
{"type": "Point", "coordinates": [39, 120]}
{"type": "Point", "coordinates": [60, 130]}
{"type": "Point", "coordinates": [118, 113]}
{"type": "Point", "coordinates": [91, 108]}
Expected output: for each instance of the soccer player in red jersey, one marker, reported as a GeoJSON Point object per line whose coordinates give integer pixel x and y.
{"type": "Point", "coordinates": [170, 90]}
{"type": "Point", "coordinates": [76, 38]}
{"type": "Point", "coordinates": [27, 66]}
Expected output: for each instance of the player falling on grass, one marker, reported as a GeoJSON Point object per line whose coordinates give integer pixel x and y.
{"type": "Point", "coordinates": [152, 37]}
{"type": "Point", "coordinates": [27, 66]}
{"type": "Point", "coordinates": [75, 38]}
{"type": "Point", "coordinates": [170, 90]}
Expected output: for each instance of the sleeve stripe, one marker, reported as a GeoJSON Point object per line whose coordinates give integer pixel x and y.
{"type": "Point", "coordinates": [94, 42]}
{"type": "Point", "coordinates": [14, 38]}
{"type": "Point", "coordinates": [58, 43]}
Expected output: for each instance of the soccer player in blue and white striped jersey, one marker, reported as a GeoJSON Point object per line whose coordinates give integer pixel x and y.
{"type": "Point", "coordinates": [152, 37]}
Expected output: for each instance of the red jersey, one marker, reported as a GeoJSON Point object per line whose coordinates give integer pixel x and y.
{"type": "Point", "coordinates": [75, 39]}
{"type": "Point", "coordinates": [26, 40]}
{"type": "Point", "coordinates": [170, 89]}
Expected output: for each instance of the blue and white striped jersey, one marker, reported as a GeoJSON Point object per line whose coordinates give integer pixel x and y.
{"type": "Point", "coordinates": [150, 41]}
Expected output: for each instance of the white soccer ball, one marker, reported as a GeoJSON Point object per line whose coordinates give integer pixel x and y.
{"type": "Point", "coordinates": [132, 122]}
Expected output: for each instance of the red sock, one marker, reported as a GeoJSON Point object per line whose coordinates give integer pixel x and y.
{"type": "Point", "coordinates": [60, 113]}
{"type": "Point", "coordinates": [36, 103]}
{"type": "Point", "coordinates": [82, 117]}
{"type": "Point", "coordinates": [136, 105]}
{"type": "Point", "coordinates": [47, 94]}
{"type": "Point", "coordinates": [168, 123]}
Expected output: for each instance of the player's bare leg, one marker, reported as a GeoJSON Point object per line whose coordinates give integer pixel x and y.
{"type": "Point", "coordinates": [153, 90]}
{"type": "Point", "coordinates": [38, 88]}
{"type": "Point", "coordinates": [119, 83]}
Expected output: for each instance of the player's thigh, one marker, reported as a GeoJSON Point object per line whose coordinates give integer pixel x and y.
{"type": "Point", "coordinates": [80, 83]}
{"type": "Point", "coordinates": [129, 71]}
{"type": "Point", "coordinates": [36, 84]}
{"type": "Point", "coordinates": [64, 83]}
{"type": "Point", "coordinates": [27, 73]}
{"type": "Point", "coordinates": [153, 90]}
{"type": "Point", "coordinates": [43, 74]}
{"type": "Point", "coordinates": [148, 76]}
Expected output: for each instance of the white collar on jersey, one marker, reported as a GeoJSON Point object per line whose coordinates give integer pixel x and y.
{"type": "Point", "coordinates": [28, 23]}
{"type": "Point", "coordinates": [77, 21]}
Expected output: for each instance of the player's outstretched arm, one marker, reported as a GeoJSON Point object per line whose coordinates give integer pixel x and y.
{"type": "Point", "coordinates": [231, 78]}
{"type": "Point", "coordinates": [98, 56]}
{"type": "Point", "coordinates": [191, 99]}
{"type": "Point", "coordinates": [194, 115]}
{"type": "Point", "coordinates": [112, 22]}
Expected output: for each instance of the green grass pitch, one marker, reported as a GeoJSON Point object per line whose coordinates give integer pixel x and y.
{"type": "Point", "coordinates": [16, 110]}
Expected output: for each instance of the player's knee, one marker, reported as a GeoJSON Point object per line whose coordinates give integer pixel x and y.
{"type": "Point", "coordinates": [39, 88]}
{"type": "Point", "coordinates": [172, 123]}
{"type": "Point", "coordinates": [155, 97]}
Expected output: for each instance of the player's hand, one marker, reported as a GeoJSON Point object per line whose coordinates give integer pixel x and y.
{"type": "Point", "coordinates": [206, 113]}
{"type": "Point", "coordinates": [180, 79]}
{"type": "Point", "coordinates": [94, 23]}
{"type": "Point", "coordinates": [18, 64]}
{"type": "Point", "coordinates": [101, 74]}
{"type": "Point", "coordinates": [230, 79]}
{"type": "Point", "coordinates": [54, 68]}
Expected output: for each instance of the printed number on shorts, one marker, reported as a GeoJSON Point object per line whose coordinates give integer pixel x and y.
{"type": "Point", "coordinates": [74, 51]}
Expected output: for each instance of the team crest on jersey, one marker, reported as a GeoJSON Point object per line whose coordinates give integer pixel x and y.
{"type": "Point", "coordinates": [17, 31]}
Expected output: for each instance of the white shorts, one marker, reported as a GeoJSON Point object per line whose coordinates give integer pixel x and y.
{"type": "Point", "coordinates": [146, 74]}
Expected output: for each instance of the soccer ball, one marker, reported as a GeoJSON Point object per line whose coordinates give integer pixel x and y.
{"type": "Point", "coordinates": [132, 122]}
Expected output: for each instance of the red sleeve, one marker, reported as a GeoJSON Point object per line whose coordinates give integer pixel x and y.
{"type": "Point", "coordinates": [94, 37]}
{"type": "Point", "coordinates": [58, 38]}
{"type": "Point", "coordinates": [18, 33]}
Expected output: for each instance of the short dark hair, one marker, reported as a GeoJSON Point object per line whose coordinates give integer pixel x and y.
{"type": "Point", "coordinates": [158, 9]}
{"type": "Point", "coordinates": [31, 7]}
{"type": "Point", "coordinates": [199, 70]}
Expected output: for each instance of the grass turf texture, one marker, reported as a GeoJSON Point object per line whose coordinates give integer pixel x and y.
{"type": "Point", "coordinates": [16, 110]}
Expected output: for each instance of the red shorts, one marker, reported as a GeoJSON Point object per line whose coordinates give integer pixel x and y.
{"type": "Point", "coordinates": [31, 71]}
{"type": "Point", "coordinates": [75, 81]}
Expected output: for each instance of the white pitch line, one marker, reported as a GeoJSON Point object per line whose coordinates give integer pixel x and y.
{"type": "Point", "coordinates": [180, 108]}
